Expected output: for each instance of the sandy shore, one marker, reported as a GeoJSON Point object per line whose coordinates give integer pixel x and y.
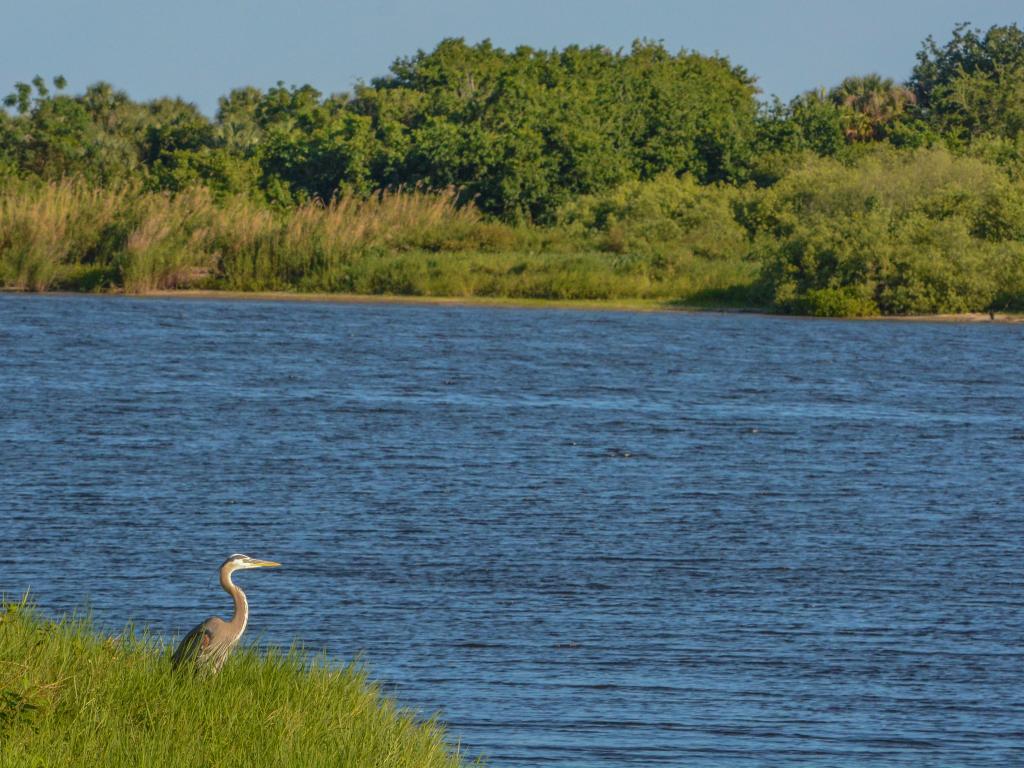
{"type": "Point", "coordinates": [610, 305]}
{"type": "Point", "coordinates": [618, 305]}
{"type": "Point", "coordinates": [614, 305]}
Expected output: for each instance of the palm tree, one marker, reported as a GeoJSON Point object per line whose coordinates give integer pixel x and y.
{"type": "Point", "coordinates": [869, 104]}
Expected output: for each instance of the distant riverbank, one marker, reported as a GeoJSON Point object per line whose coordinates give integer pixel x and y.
{"type": "Point", "coordinates": [879, 237]}
{"type": "Point", "coordinates": [594, 305]}
{"type": "Point", "coordinates": [611, 305]}
{"type": "Point", "coordinates": [573, 175]}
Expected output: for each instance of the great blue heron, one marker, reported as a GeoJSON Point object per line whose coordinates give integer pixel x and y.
{"type": "Point", "coordinates": [208, 645]}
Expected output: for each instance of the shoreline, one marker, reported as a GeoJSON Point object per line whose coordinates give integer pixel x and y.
{"type": "Point", "coordinates": [598, 305]}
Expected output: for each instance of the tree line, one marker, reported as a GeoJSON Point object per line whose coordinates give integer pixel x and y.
{"type": "Point", "coordinates": [642, 153]}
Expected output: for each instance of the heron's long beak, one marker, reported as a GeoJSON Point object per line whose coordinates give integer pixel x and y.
{"type": "Point", "coordinates": [263, 564]}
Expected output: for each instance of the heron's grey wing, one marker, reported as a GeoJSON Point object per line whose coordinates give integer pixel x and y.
{"type": "Point", "coordinates": [192, 646]}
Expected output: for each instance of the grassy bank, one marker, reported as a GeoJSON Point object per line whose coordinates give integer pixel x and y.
{"type": "Point", "coordinates": [71, 697]}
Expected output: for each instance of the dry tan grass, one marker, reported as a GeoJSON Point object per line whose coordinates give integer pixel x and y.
{"type": "Point", "coordinates": [158, 240]}
{"type": "Point", "coordinates": [44, 226]}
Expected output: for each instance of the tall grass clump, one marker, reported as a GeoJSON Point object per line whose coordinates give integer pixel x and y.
{"type": "Point", "coordinates": [46, 229]}
{"type": "Point", "coordinates": [667, 239]}
{"type": "Point", "coordinates": [314, 246]}
{"type": "Point", "coordinates": [52, 234]}
{"type": "Point", "coordinates": [71, 697]}
{"type": "Point", "coordinates": [166, 241]}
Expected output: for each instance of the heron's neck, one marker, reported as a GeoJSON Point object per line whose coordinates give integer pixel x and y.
{"type": "Point", "coordinates": [238, 621]}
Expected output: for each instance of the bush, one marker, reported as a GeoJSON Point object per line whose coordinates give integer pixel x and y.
{"type": "Point", "coordinates": [669, 217]}
{"type": "Point", "coordinates": [913, 231]}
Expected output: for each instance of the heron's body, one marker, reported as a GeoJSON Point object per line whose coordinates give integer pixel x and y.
{"type": "Point", "coordinates": [209, 644]}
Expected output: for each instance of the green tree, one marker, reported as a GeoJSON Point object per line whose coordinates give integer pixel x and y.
{"type": "Point", "coordinates": [686, 113]}
{"type": "Point", "coordinates": [523, 131]}
{"type": "Point", "coordinates": [52, 134]}
{"type": "Point", "coordinates": [819, 122]}
{"type": "Point", "coordinates": [312, 147]}
{"type": "Point", "coordinates": [174, 131]}
{"type": "Point", "coordinates": [237, 123]}
{"type": "Point", "coordinates": [974, 84]}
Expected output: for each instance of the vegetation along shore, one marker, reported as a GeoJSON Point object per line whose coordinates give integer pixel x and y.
{"type": "Point", "coordinates": [71, 696]}
{"type": "Point", "coordinates": [575, 175]}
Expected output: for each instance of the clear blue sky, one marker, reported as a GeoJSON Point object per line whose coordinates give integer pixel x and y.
{"type": "Point", "coordinates": [200, 49]}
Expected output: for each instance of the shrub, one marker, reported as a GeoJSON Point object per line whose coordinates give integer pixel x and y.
{"type": "Point", "coordinates": [911, 231]}
{"type": "Point", "coordinates": [669, 217]}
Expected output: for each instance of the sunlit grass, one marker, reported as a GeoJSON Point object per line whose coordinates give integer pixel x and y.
{"type": "Point", "coordinates": [71, 236]}
{"type": "Point", "coordinates": [70, 696]}
{"type": "Point", "coordinates": [44, 228]}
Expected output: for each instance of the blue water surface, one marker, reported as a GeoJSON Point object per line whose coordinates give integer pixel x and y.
{"type": "Point", "coordinates": [584, 539]}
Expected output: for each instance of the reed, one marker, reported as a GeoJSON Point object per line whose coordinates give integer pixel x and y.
{"type": "Point", "coordinates": [70, 696]}
{"type": "Point", "coordinates": [165, 243]}
{"type": "Point", "coordinates": [412, 242]}
{"type": "Point", "coordinates": [46, 227]}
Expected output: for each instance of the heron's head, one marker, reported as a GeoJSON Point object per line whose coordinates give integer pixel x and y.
{"type": "Point", "coordinates": [243, 562]}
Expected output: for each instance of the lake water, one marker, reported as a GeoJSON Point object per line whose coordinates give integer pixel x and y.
{"type": "Point", "coordinates": [586, 539]}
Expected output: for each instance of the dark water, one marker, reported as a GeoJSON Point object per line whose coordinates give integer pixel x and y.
{"type": "Point", "coordinates": [586, 539]}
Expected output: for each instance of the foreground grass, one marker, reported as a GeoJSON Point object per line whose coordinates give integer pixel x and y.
{"type": "Point", "coordinates": [69, 696]}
